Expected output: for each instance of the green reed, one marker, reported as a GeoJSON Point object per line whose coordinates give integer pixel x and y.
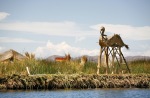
{"type": "Point", "coordinates": [51, 67]}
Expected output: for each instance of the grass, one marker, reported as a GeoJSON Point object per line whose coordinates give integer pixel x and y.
{"type": "Point", "coordinates": [72, 67]}
{"type": "Point", "coordinates": [46, 67]}
{"type": "Point", "coordinates": [140, 66]}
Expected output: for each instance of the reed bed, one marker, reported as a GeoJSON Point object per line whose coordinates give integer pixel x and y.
{"type": "Point", "coordinates": [70, 75]}
{"type": "Point", "coordinates": [72, 67]}
{"type": "Point", "coordinates": [46, 67]}
{"type": "Point", "coordinates": [140, 66]}
{"type": "Point", "coordinates": [74, 81]}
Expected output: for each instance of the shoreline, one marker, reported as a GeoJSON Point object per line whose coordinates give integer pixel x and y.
{"type": "Point", "coordinates": [73, 81]}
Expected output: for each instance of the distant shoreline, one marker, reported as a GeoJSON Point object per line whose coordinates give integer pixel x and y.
{"type": "Point", "coordinates": [74, 81]}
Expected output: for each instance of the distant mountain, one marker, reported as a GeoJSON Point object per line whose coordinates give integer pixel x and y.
{"type": "Point", "coordinates": [128, 58]}
{"type": "Point", "coordinates": [89, 58]}
{"type": "Point", "coordinates": [134, 58]}
{"type": "Point", "coordinates": [95, 58]}
{"type": "Point", "coordinates": [52, 58]}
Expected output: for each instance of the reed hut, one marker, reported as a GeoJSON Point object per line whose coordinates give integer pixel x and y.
{"type": "Point", "coordinates": [11, 55]}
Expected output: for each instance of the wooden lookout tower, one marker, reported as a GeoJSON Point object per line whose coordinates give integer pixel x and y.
{"type": "Point", "coordinates": [110, 48]}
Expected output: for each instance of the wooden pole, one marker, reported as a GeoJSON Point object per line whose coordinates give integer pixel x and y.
{"type": "Point", "coordinates": [117, 66]}
{"type": "Point", "coordinates": [98, 66]}
{"type": "Point", "coordinates": [120, 54]}
{"type": "Point", "coordinates": [107, 65]}
{"type": "Point", "coordinates": [99, 60]}
{"type": "Point", "coordinates": [113, 58]}
{"type": "Point", "coordinates": [28, 70]}
{"type": "Point", "coordinates": [125, 62]}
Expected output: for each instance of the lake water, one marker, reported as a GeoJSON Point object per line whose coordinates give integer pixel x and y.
{"type": "Point", "coordinates": [89, 93]}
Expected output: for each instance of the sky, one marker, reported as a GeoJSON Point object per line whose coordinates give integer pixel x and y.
{"type": "Point", "coordinates": [58, 27]}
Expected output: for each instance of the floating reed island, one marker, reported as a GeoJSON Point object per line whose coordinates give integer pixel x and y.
{"type": "Point", "coordinates": [75, 81]}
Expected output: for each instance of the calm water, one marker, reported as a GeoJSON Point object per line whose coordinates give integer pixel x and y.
{"type": "Point", "coordinates": [90, 93]}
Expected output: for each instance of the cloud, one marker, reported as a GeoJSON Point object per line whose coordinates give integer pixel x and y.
{"type": "Point", "coordinates": [141, 48]}
{"type": "Point", "coordinates": [79, 39]}
{"type": "Point", "coordinates": [126, 31]}
{"type": "Point", "coordinates": [17, 40]}
{"type": "Point", "coordinates": [49, 28]}
{"type": "Point", "coordinates": [61, 49]}
{"type": "Point", "coordinates": [3, 15]}
{"type": "Point", "coordinates": [2, 49]}
{"type": "Point", "coordinates": [67, 28]}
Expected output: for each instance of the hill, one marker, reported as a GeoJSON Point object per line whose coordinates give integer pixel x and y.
{"type": "Point", "coordinates": [95, 58]}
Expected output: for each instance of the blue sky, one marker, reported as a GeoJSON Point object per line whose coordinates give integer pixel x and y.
{"type": "Point", "coordinates": [49, 27]}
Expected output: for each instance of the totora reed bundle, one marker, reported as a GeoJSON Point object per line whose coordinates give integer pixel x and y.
{"type": "Point", "coordinates": [77, 81]}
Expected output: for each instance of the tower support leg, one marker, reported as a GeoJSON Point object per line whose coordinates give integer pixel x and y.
{"type": "Point", "coordinates": [126, 63]}
{"type": "Point", "coordinates": [99, 60]}
{"type": "Point", "coordinates": [106, 60]}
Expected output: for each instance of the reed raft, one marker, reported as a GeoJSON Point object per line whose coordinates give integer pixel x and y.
{"type": "Point", "coordinates": [74, 81]}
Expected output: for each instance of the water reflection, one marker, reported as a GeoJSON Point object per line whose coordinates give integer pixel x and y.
{"type": "Point", "coordinates": [89, 93]}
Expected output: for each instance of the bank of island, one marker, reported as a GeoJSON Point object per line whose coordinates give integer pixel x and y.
{"type": "Point", "coordinates": [74, 81]}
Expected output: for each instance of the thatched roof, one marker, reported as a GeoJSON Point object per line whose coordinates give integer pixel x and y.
{"type": "Point", "coordinates": [113, 41]}
{"type": "Point", "coordinates": [11, 54]}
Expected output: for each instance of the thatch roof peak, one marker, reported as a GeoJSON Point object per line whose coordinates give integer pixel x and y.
{"type": "Point", "coordinates": [11, 54]}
